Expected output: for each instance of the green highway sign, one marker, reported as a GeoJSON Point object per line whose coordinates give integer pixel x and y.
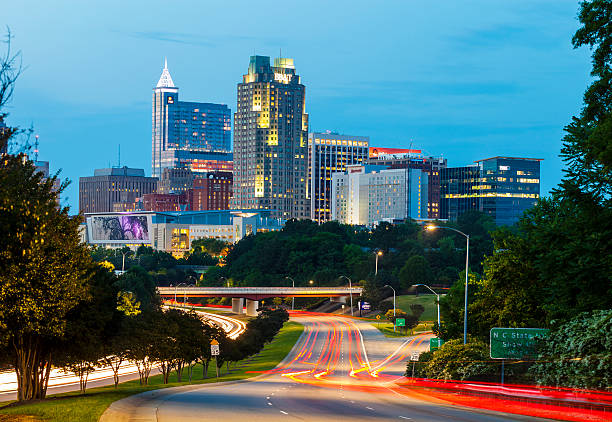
{"type": "Point", "coordinates": [400, 322]}
{"type": "Point", "coordinates": [435, 343]}
{"type": "Point", "coordinates": [515, 343]}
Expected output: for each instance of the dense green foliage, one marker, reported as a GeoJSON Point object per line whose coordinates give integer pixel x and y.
{"type": "Point", "coordinates": [578, 353]}
{"type": "Point", "coordinates": [306, 251]}
{"type": "Point", "coordinates": [456, 361]}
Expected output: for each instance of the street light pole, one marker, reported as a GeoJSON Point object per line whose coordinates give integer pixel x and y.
{"type": "Point", "coordinates": [293, 297]}
{"type": "Point", "coordinates": [437, 296]}
{"type": "Point", "coordinates": [378, 253]}
{"type": "Point", "coordinates": [386, 285]}
{"type": "Point", "coordinates": [467, 263]}
{"type": "Point", "coordinates": [350, 291]}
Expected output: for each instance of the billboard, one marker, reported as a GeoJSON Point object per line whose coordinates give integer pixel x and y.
{"type": "Point", "coordinates": [119, 228]}
{"type": "Point", "coordinates": [375, 151]}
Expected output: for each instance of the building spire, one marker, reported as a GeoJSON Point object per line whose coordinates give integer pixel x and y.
{"type": "Point", "coordinates": [165, 81]}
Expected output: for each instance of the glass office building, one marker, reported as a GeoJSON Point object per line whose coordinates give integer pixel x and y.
{"type": "Point", "coordinates": [501, 187]}
{"type": "Point", "coordinates": [182, 131]}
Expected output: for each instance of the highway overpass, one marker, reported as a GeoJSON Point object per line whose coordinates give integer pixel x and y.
{"type": "Point", "coordinates": [255, 294]}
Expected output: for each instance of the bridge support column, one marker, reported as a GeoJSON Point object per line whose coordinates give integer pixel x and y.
{"type": "Point", "coordinates": [237, 305]}
{"type": "Point", "coordinates": [251, 307]}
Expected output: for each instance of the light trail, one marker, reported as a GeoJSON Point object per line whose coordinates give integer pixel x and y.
{"type": "Point", "coordinates": [58, 378]}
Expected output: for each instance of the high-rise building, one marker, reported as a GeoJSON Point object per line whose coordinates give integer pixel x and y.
{"type": "Point", "coordinates": [412, 158]}
{"type": "Point", "coordinates": [185, 131]}
{"type": "Point", "coordinates": [163, 202]}
{"type": "Point", "coordinates": [114, 189]}
{"type": "Point", "coordinates": [368, 195]}
{"type": "Point", "coordinates": [501, 187]}
{"type": "Point", "coordinates": [329, 153]}
{"type": "Point", "coordinates": [271, 140]}
{"type": "Point", "coordinates": [211, 191]}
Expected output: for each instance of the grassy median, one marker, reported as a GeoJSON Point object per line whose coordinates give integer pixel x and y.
{"type": "Point", "coordinates": [88, 407]}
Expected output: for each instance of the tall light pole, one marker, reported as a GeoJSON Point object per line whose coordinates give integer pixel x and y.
{"type": "Point", "coordinates": [386, 285]}
{"type": "Point", "coordinates": [438, 299]}
{"type": "Point", "coordinates": [123, 262]}
{"type": "Point", "coordinates": [350, 291]}
{"type": "Point", "coordinates": [467, 262]}
{"type": "Point", "coordinates": [293, 297]}
{"type": "Point", "coordinates": [378, 253]}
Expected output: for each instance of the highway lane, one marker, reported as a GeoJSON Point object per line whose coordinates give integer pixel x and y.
{"type": "Point", "coordinates": [341, 369]}
{"type": "Point", "coordinates": [62, 382]}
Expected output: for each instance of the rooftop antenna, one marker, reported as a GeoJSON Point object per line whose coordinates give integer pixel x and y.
{"type": "Point", "coordinates": [36, 148]}
{"type": "Point", "coordinates": [280, 52]}
{"type": "Point", "coordinates": [119, 156]}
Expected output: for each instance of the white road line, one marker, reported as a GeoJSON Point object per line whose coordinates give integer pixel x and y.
{"type": "Point", "coordinates": [269, 404]}
{"type": "Point", "coordinates": [369, 408]}
{"type": "Point", "coordinates": [404, 417]}
{"type": "Point", "coordinates": [283, 412]}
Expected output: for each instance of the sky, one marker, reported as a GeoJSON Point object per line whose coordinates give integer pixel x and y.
{"type": "Point", "coordinates": [463, 79]}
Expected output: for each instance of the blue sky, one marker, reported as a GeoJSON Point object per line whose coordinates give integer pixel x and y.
{"type": "Point", "coordinates": [463, 79]}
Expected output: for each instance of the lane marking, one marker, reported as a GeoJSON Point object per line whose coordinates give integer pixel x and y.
{"type": "Point", "coordinates": [369, 408]}
{"type": "Point", "coordinates": [269, 404]}
{"type": "Point", "coordinates": [283, 412]}
{"type": "Point", "coordinates": [404, 417]}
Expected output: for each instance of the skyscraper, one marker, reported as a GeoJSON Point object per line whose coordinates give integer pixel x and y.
{"type": "Point", "coordinates": [330, 153]}
{"type": "Point", "coordinates": [186, 133]}
{"type": "Point", "coordinates": [271, 140]}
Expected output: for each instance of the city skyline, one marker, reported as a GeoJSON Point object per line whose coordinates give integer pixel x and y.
{"type": "Point", "coordinates": [465, 88]}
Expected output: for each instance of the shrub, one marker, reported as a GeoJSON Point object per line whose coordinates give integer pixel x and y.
{"type": "Point", "coordinates": [457, 361]}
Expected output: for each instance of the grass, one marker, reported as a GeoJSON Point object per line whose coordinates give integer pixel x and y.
{"type": "Point", "coordinates": [427, 300]}
{"type": "Point", "coordinates": [74, 407]}
{"type": "Point", "coordinates": [387, 329]}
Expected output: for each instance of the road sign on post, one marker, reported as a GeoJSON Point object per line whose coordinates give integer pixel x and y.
{"type": "Point", "coordinates": [365, 306]}
{"type": "Point", "coordinates": [214, 348]}
{"type": "Point", "coordinates": [400, 322]}
{"type": "Point", "coordinates": [435, 343]}
{"type": "Point", "coordinates": [515, 343]}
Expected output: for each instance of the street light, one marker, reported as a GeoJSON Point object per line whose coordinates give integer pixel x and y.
{"type": "Point", "coordinates": [311, 282]}
{"type": "Point", "coordinates": [467, 257]}
{"type": "Point", "coordinates": [224, 278]}
{"type": "Point", "coordinates": [350, 291]}
{"type": "Point", "coordinates": [184, 295]}
{"type": "Point", "coordinates": [438, 299]}
{"type": "Point", "coordinates": [386, 285]}
{"type": "Point", "coordinates": [293, 297]}
{"type": "Point", "coordinates": [378, 253]}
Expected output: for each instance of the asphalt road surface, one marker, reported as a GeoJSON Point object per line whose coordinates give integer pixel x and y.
{"type": "Point", "coordinates": [339, 370]}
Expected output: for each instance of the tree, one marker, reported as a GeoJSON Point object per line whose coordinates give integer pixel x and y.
{"type": "Point", "coordinates": [415, 271]}
{"type": "Point", "coordinates": [140, 283]}
{"type": "Point", "coordinates": [91, 325]}
{"type": "Point", "coordinates": [452, 308]}
{"type": "Point", "coordinates": [578, 353]}
{"type": "Point", "coordinates": [587, 149]}
{"type": "Point", "coordinates": [45, 270]}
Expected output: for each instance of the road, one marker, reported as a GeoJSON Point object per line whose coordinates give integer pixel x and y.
{"type": "Point", "coordinates": [341, 369]}
{"type": "Point", "coordinates": [62, 382]}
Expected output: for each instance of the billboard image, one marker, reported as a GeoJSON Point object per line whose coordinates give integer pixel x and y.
{"type": "Point", "coordinates": [119, 228]}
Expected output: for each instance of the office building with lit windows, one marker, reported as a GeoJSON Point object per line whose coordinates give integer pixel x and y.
{"type": "Point", "coordinates": [187, 134]}
{"type": "Point", "coordinates": [114, 189]}
{"type": "Point", "coordinates": [368, 195]}
{"type": "Point", "coordinates": [271, 140]}
{"type": "Point", "coordinates": [394, 158]}
{"type": "Point", "coordinates": [329, 153]}
{"type": "Point", "coordinates": [501, 187]}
